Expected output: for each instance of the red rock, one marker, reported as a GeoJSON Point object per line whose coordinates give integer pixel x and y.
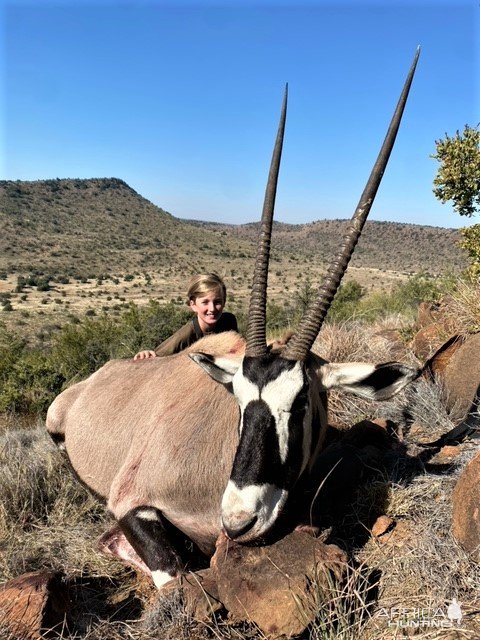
{"type": "Point", "coordinates": [462, 375]}
{"type": "Point", "coordinates": [30, 603]}
{"type": "Point", "coordinates": [403, 534]}
{"type": "Point", "coordinates": [199, 594]}
{"type": "Point", "coordinates": [466, 508]}
{"type": "Point", "coordinates": [446, 455]}
{"type": "Point", "coordinates": [426, 342]}
{"type": "Point", "coordinates": [426, 314]}
{"type": "Point", "coordinates": [272, 586]}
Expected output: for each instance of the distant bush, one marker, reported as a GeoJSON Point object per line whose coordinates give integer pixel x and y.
{"type": "Point", "coordinates": [31, 377]}
{"type": "Point", "coordinates": [346, 302]}
{"type": "Point", "coordinates": [21, 282]}
{"type": "Point", "coordinates": [404, 298]}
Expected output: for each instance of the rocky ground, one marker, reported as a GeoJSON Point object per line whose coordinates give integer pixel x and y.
{"type": "Point", "coordinates": [389, 546]}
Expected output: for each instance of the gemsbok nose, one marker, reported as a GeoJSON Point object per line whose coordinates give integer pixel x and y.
{"type": "Point", "coordinates": [239, 524]}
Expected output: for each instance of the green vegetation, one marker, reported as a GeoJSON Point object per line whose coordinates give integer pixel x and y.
{"type": "Point", "coordinates": [458, 181]}
{"type": "Point", "coordinates": [30, 377]}
{"type": "Point", "coordinates": [471, 243]}
{"type": "Point", "coordinates": [403, 299]}
{"type": "Point", "coordinates": [353, 303]}
{"type": "Point", "coordinates": [79, 229]}
{"type": "Point", "coordinates": [458, 177]}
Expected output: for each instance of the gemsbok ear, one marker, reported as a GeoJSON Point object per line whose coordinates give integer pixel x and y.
{"type": "Point", "coordinates": [374, 382]}
{"type": "Point", "coordinates": [220, 369]}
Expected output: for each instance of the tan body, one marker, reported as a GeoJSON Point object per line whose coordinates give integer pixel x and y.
{"type": "Point", "coordinates": [157, 432]}
{"type": "Point", "coordinates": [161, 433]}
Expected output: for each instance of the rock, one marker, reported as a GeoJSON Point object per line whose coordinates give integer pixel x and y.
{"type": "Point", "coordinates": [199, 593]}
{"type": "Point", "coordinates": [440, 313]}
{"type": "Point", "coordinates": [462, 375]}
{"type": "Point", "coordinates": [447, 455]}
{"type": "Point", "coordinates": [31, 603]}
{"type": "Point", "coordinates": [382, 525]}
{"type": "Point", "coordinates": [426, 314]}
{"type": "Point", "coordinates": [428, 340]}
{"type": "Point", "coordinates": [424, 434]}
{"type": "Point", "coordinates": [466, 508]}
{"type": "Point", "coordinates": [278, 586]}
{"type": "Point", "coordinates": [402, 535]}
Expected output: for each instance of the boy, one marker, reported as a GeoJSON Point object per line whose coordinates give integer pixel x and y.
{"type": "Point", "coordinates": [206, 297]}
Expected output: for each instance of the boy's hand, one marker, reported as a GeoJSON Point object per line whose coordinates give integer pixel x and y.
{"type": "Point", "coordinates": [144, 355]}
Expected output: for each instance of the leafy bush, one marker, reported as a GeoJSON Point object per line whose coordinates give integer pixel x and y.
{"type": "Point", "coordinates": [404, 297]}
{"type": "Point", "coordinates": [471, 243]}
{"type": "Point", "coordinates": [31, 384]}
{"type": "Point", "coordinates": [346, 301]}
{"type": "Point", "coordinates": [31, 377]}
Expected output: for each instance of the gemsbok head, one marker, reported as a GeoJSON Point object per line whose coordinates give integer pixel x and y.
{"type": "Point", "coordinates": [273, 390]}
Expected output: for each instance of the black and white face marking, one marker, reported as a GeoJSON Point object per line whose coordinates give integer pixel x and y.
{"type": "Point", "coordinates": [275, 434]}
{"type": "Point", "coordinates": [276, 427]}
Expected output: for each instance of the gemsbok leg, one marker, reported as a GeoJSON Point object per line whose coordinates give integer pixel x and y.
{"type": "Point", "coordinates": [148, 532]}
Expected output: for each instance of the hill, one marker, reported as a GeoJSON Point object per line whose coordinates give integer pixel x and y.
{"type": "Point", "coordinates": [388, 246]}
{"type": "Point", "coordinates": [86, 228]}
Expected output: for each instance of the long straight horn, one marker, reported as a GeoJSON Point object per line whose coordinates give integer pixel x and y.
{"type": "Point", "coordinates": [300, 344]}
{"type": "Point", "coordinates": [256, 329]}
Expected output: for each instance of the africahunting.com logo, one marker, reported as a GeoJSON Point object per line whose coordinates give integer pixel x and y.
{"type": "Point", "coordinates": [423, 617]}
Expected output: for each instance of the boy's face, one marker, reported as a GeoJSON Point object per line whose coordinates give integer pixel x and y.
{"type": "Point", "coordinates": [208, 308]}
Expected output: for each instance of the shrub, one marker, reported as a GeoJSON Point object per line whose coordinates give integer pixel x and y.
{"type": "Point", "coordinates": [21, 282]}
{"type": "Point", "coordinates": [31, 384]}
{"type": "Point", "coordinates": [404, 298]}
{"type": "Point", "coordinates": [346, 301]}
{"type": "Point", "coordinates": [31, 377]}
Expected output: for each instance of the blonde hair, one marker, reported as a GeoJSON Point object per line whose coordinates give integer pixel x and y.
{"type": "Point", "coordinates": [203, 283]}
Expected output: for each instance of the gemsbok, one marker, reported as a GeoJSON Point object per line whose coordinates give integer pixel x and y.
{"type": "Point", "coordinates": [214, 439]}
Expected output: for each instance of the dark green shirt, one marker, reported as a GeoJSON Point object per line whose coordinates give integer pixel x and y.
{"type": "Point", "coordinates": [191, 332]}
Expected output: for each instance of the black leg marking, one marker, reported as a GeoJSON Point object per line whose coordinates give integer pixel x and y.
{"type": "Point", "coordinates": [58, 439]}
{"type": "Point", "coordinates": [144, 528]}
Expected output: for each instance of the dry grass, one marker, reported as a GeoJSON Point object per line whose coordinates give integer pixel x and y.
{"type": "Point", "coordinates": [47, 520]}
{"type": "Point", "coordinates": [357, 342]}
{"type": "Point", "coordinates": [463, 307]}
{"type": "Point", "coordinates": [422, 566]}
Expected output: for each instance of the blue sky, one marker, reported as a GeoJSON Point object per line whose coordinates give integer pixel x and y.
{"type": "Point", "coordinates": [181, 100]}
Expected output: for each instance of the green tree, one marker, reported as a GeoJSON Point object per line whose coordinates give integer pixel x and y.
{"type": "Point", "coordinates": [458, 180]}
{"type": "Point", "coordinates": [458, 177]}
{"type": "Point", "coordinates": [471, 243]}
